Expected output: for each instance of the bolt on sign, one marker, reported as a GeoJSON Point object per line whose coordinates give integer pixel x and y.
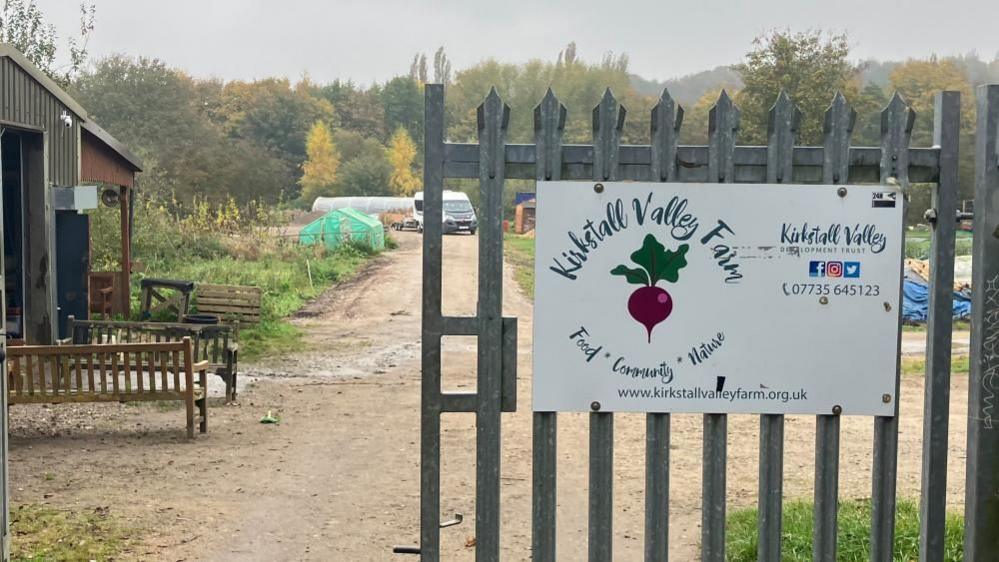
{"type": "Point", "coordinates": [715, 298]}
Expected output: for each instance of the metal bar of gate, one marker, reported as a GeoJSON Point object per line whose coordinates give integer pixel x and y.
{"type": "Point", "coordinates": [549, 125]}
{"type": "Point", "coordinates": [936, 408]}
{"type": "Point", "coordinates": [430, 418]}
{"type": "Point", "coordinates": [4, 475]}
{"type": "Point", "coordinates": [785, 121]}
{"type": "Point", "coordinates": [837, 130]}
{"type": "Point", "coordinates": [493, 117]}
{"type": "Point", "coordinates": [608, 121]}
{"type": "Point", "coordinates": [723, 123]}
{"type": "Point", "coordinates": [667, 118]}
{"type": "Point", "coordinates": [981, 539]}
{"type": "Point", "coordinates": [896, 129]}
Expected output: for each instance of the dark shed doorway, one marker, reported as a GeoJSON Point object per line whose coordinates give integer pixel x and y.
{"type": "Point", "coordinates": [22, 176]}
{"type": "Point", "coordinates": [13, 234]}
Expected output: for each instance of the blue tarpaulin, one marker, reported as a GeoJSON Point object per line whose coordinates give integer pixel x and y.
{"type": "Point", "coordinates": [916, 302]}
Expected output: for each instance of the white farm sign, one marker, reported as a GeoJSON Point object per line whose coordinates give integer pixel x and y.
{"type": "Point", "coordinates": [717, 298]}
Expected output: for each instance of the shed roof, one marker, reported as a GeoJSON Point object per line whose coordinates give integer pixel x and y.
{"type": "Point", "coordinates": [114, 144]}
{"type": "Point", "coordinates": [7, 50]}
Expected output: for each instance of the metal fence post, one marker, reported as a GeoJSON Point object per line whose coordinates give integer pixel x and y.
{"type": "Point", "coordinates": [667, 117]}
{"type": "Point", "coordinates": [785, 122]}
{"type": "Point", "coordinates": [608, 121]}
{"type": "Point", "coordinates": [837, 129]}
{"type": "Point", "coordinates": [936, 408]}
{"type": "Point", "coordinates": [549, 125]}
{"type": "Point", "coordinates": [432, 402]}
{"type": "Point", "coordinates": [493, 117]}
{"type": "Point", "coordinates": [896, 131]}
{"type": "Point", "coordinates": [723, 124]}
{"type": "Point", "coordinates": [981, 537]}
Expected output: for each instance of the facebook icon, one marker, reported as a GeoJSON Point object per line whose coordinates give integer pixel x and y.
{"type": "Point", "coordinates": [817, 269]}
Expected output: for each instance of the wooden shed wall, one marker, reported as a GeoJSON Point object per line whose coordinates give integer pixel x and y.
{"type": "Point", "coordinates": [23, 101]}
{"type": "Point", "coordinates": [98, 163]}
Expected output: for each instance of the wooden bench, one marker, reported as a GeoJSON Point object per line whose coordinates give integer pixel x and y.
{"type": "Point", "coordinates": [229, 302]}
{"type": "Point", "coordinates": [215, 343]}
{"type": "Point", "coordinates": [128, 372]}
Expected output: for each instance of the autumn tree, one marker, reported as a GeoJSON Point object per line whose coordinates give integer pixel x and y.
{"type": "Point", "coordinates": [159, 113]}
{"type": "Point", "coordinates": [319, 172]}
{"type": "Point", "coordinates": [695, 118]}
{"type": "Point", "coordinates": [274, 114]}
{"type": "Point", "coordinates": [401, 153]}
{"type": "Point", "coordinates": [810, 66]}
{"type": "Point", "coordinates": [920, 80]}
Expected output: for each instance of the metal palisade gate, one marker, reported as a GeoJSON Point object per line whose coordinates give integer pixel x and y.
{"type": "Point", "coordinates": [492, 160]}
{"type": "Point", "coordinates": [981, 540]}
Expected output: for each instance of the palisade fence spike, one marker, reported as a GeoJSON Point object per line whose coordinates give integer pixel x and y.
{"type": "Point", "coordinates": [667, 117]}
{"type": "Point", "coordinates": [837, 131]}
{"type": "Point", "coordinates": [492, 108]}
{"type": "Point", "coordinates": [783, 126]}
{"type": "Point", "coordinates": [723, 124]}
{"type": "Point", "coordinates": [608, 122]}
{"type": "Point", "coordinates": [897, 120]}
{"type": "Point", "coordinates": [549, 125]}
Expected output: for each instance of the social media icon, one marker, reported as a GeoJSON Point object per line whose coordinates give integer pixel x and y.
{"type": "Point", "coordinates": [851, 269]}
{"type": "Point", "coordinates": [817, 269]}
{"type": "Point", "coordinates": [834, 269]}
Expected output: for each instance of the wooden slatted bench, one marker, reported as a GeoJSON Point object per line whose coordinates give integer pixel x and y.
{"type": "Point", "coordinates": [229, 302]}
{"type": "Point", "coordinates": [216, 343]}
{"type": "Point", "coordinates": [127, 372]}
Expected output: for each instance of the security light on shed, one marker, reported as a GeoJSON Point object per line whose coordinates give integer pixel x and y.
{"type": "Point", "coordinates": [110, 197]}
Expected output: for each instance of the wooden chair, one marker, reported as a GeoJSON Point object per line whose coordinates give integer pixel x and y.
{"type": "Point", "coordinates": [154, 298]}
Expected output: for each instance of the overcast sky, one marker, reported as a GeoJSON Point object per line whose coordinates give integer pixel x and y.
{"type": "Point", "coordinates": [368, 40]}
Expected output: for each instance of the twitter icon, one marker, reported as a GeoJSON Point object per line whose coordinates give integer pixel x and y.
{"type": "Point", "coordinates": [851, 269]}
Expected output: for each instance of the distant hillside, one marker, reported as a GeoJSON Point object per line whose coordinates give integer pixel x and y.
{"type": "Point", "coordinates": [688, 89]}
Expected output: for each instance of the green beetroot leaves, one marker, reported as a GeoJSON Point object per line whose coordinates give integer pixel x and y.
{"type": "Point", "coordinates": [657, 263]}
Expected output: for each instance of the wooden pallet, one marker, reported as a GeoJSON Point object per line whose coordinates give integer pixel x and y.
{"type": "Point", "coordinates": [230, 302]}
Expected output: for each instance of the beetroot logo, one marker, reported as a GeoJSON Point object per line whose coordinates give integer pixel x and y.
{"type": "Point", "coordinates": [651, 304]}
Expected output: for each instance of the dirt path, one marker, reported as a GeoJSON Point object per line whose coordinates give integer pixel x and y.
{"type": "Point", "coordinates": [338, 479]}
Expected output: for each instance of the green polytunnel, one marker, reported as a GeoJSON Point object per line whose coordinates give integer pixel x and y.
{"type": "Point", "coordinates": [340, 225]}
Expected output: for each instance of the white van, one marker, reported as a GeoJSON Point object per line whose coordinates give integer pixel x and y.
{"type": "Point", "coordinates": [459, 216]}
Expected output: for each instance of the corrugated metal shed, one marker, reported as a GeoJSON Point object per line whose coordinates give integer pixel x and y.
{"type": "Point", "coordinates": [32, 100]}
{"type": "Point", "coordinates": [61, 148]}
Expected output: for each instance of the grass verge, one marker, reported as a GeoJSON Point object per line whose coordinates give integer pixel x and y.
{"type": "Point", "coordinates": [520, 254]}
{"type": "Point", "coordinates": [44, 533]}
{"type": "Point", "coordinates": [853, 540]}
{"type": "Point", "coordinates": [959, 365]}
{"type": "Point", "coordinates": [283, 276]}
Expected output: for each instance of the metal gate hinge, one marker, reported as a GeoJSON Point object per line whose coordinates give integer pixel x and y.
{"type": "Point", "coordinates": [931, 216]}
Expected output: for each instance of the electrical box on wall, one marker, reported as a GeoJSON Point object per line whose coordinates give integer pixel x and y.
{"type": "Point", "coordinates": [78, 198]}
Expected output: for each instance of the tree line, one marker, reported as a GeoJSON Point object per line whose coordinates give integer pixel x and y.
{"type": "Point", "coordinates": [277, 140]}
